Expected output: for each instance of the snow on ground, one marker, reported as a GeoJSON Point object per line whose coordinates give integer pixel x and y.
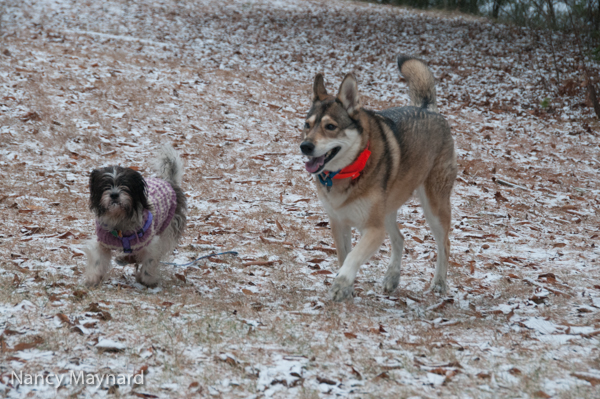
{"type": "Point", "coordinates": [86, 84]}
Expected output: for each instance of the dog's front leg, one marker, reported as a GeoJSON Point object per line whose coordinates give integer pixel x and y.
{"type": "Point", "coordinates": [98, 263]}
{"type": "Point", "coordinates": [343, 286]}
{"type": "Point", "coordinates": [342, 235]}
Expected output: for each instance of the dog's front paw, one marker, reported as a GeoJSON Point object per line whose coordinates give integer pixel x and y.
{"type": "Point", "coordinates": [342, 289]}
{"type": "Point", "coordinates": [147, 279]}
{"type": "Point", "coordinates": [391, 281]}
{"type": "Point", "coordinates": [93, 281]}
{"type": "Point", "coordinates": [438, 286]}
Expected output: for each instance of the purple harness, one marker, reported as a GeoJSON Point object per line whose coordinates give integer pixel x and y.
{"type": "Point", "coordinates": [126, 240]}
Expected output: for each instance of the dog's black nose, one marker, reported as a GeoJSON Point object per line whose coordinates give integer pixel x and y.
{"type": "Point", "coordinates": [307, 148]}
{"type": "Point", "coordinates": [114, 196]}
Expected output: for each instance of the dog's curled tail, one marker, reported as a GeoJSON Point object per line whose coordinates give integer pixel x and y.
{"type": "Point", "coordinates": [168, 165]}
{"type": "Point", "coordinates": [421, 83]}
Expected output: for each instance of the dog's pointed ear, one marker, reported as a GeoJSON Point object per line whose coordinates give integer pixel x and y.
{"type": "Point", "coordinates": [348, 95]}
{"type": "Point", "coordinates": [319, 91]}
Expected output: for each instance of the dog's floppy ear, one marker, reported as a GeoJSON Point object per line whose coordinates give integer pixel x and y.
{"type": "Point", "coordinates": [138, 187]}
{"type": "Point", "coordinates": [348, 95]}
{"type": "Point", "coordinates": [95, 177]}
{"type": "Point", "coordinates": [95, 189]}
{"type": "Point", "coordinates": [319, 91]}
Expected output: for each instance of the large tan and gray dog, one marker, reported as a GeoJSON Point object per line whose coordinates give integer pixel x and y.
{"type": "Point", "coordinates": [366, 164]}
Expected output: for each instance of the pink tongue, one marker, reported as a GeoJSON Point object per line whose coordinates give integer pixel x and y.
{"type": "Point", "coordinates": [314, 164]}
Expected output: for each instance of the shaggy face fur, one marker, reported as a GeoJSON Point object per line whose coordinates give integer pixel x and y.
{"type": "Point", "coordinates": [118, 197]}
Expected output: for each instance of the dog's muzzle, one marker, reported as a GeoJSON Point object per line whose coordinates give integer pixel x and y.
{"type": "Point", "coordinates": [316, 164]}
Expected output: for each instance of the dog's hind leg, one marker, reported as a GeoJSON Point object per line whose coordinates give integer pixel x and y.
{"type": "Point", "coordinates": [343, 286]}
{"type": "Point", "coordinates": [392, 276]}
{"type": "Point", "coordinates": [435, 201]}
{"type": "Point", "coordinates": [98, 263]}
{"type": "Point", "coordinates": [149, 272]}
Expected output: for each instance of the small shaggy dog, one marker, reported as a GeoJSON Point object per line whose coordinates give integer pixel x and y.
{"type": "Point", "coordinates": [141, 217]}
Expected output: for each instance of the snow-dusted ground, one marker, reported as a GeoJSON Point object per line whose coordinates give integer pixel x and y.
{"type": "Point", "coordinates": [90, 83]}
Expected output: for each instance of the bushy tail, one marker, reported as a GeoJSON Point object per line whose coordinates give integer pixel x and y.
{"type": "Point", "coordinates": [168, 165]}
{"type": "Point", "coordinates": [421, 83]}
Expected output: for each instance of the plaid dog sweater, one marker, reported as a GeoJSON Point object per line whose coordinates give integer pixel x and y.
{"type": "Point", "coordinates": [163, 201]}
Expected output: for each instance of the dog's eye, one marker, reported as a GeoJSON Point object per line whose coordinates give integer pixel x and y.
{"type": "Point", "coordinates": [330, 126]}
{"type": "Point", "coordinates": [306, 125]}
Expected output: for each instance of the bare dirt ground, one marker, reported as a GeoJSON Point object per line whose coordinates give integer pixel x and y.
{"type": "Point", "coordinates": [89, 83]}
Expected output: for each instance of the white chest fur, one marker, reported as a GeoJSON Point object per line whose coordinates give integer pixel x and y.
{"type": "Point", "coordinates": [353, 213]}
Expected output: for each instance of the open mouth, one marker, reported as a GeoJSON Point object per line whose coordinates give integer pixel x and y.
{"type": "Point", "coordinates": [316, 164]}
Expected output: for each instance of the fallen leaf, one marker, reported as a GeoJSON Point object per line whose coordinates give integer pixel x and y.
{"type": "Point", "coordinates": [108, 345]}
{"type": "Point", "coordinates": [356, 372]}
{"type": "Point", "coordinates": [8, 331]}
{"type": "Point", "coordinates": [64, 318]}
{"type": "Point", "coordinates": [382, 376]}
{"type": "Point", "coordinates": [142, 370]}
{"type": "Point", "coordinates": [549, 277]}
{"type": "Point", "coordinates": [499, 197]}
{"type": "Point", "coordinates": [414, 298]}
{"type": "Point", "coordinates": [515, 371]}
{"type": "Point", "coordinates": [30, 116]}
{"type": "Point", "coordinates": [66, 235]}
{"type": "Point", "coordinates": [350, 335]}
{"type": "Point", "coordinates": [28, 345]}
{"type": "Point", "coordinates": [327, 250]}
{"type": "Point", "coordinates": [259, 263]}
{"type": "Point", "coordinates": [441, 305]}
{"type": "Point", "coordinates": [247, 292]}
{"type": "Point", "coordinates": [80, 294]}
{"type": "Point", "coordinates": [102, 314]}
{"type": "Point", "coordinates": [228, 359]}
{"type": "Point", "coordinates": [324, 380]}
